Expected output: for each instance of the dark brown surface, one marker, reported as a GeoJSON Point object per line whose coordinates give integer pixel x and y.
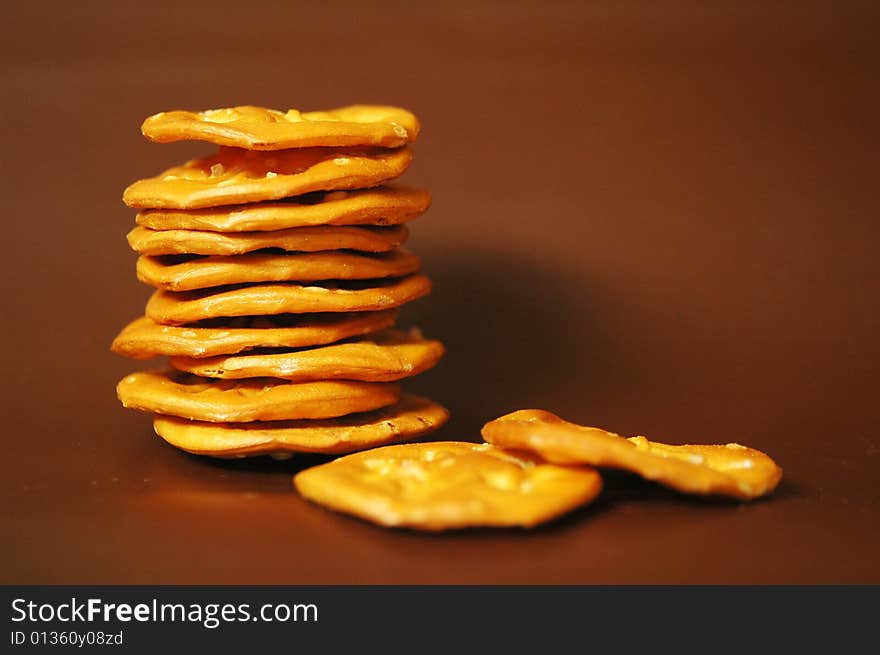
{"type": "Point", "coordinates": [655, 221]}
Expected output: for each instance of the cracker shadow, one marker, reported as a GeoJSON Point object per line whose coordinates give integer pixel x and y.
{"type": "Point", "coordinates": [574, 519]}
{"type": "Point", "coordinates": [260, 463]}
{"type": "Point", "coordinates": [166, 467]}
{"type": "Point", "coordinates": [513, 339]}
{"type": "Point", "coordinates": [622, 487]}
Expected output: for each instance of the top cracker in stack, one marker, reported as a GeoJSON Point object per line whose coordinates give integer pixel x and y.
{"type": "Point", "coordinates": [278, 270]}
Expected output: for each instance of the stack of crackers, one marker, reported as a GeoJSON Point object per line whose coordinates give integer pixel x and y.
{"type": "Point", "coordinates": [279, 270]}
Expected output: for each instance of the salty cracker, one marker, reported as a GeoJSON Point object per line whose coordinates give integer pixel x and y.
{"type": "Point", "coordinates": [447, 485]}
{"type": "Point", "coordinates": [258, 128]}
{"type": "Point", "coordinates": [255, 399]}
{"type": "Point", "coordinates": [143, 338]}
{"type": "Point", "coordinates": [386, 205]}
{"type": "Point", "coordinates": [185, 273]}
{"type": "Point", "coordinates": [298, 239]}
{"type": "Point", "coordinates": [235, 176]}
{"type": "Point", "coordinates": [412, 416]}
{"type": "Point", "coordinates": [729, 470]}
{"type": "Point", "coordinates": [381, 357]}
{"type": "Point", "coordinates": [176, 308]}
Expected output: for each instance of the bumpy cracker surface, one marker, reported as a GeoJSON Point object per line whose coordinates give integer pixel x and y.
{"type": "Point", "coordinates": [258, 128]}
{"type": "Point", "coordinates": [185, 273]}
{"type": "Point", "coordinates": [389, 205]}
{"type": "Point", "coordinates": [446, 485]}
{"type": "Point", "coordinates": [730, 469]}
{"type": "Point", "coordinates": [298, 239]}
{"type": "Point", "coordinates": [143, 338]}
{"type": "Point", "coordinates": [175, 308]}
{"type": "Point", "coordinates": [234, 176]}
{"type": "Point", "coordinates": [409, 418]}
{"type": "Point", "coordinates": [383, 357]}
{"type": "Point", "coordinates": [239, 401]}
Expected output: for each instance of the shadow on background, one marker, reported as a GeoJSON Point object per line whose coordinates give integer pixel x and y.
{"type": "Point", "coordinates": [514, 337]}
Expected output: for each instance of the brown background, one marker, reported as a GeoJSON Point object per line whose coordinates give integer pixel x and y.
{"type": "Point", "coordinates": [656, 218]}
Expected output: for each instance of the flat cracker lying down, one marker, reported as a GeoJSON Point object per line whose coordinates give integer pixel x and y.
{"type": "Point", "coordinates": [256, 399]}
{"type": "Point", "coordinates": [318, 238]}
{"type": "Point", "coordinates": [447, 485]}
{"type": "Point", "coordinates": [176, 308]}
{"type": "Point", "coordinates": [259, 128]}
{"type": "Point", "coordinates": [385, 205]}
{"type": "Point", "coordinates": [235, 176]}
{"type": "Point", "coordinates": [411, 417]}
{"type": "Point", "coordinates": [143, 338]}
{"type": "Point", "coordinates": [385, 356]}
{"type": "Point", "coordinates": [189, 272]}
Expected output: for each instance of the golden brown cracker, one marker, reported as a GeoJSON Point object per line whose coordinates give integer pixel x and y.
{"type": "Point", "coordinates": [255, 399]}
{"type": "Point", "coordinates": [235, 176]}
{"type": "Point", "coordinates": [258, 128]}
{"type": "Point", "coordinates": [188, 272]}
{"type": "Point", "coordinates": [447, 485]}
{"type": "Point", "coordinates": [176, 308]}
{"type": "Point", "coordinates": [299, 239]}
{"type": "Point", "coordinates": [385, 356]}
{"type": "Point", "coordinates": [411, 417]}
{"type": "Point", "coordinates": [386, 205]}
{"type": "Point", "coordinates": [730, 469]}
{"type": "Point", "coordinates": [143, 338]}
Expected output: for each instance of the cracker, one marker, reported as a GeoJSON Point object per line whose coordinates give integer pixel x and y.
{"type": "Point", "coordinates": [235, 176]}
{"type": "Point", "coordinates": [298, 239]}
{"type": "Point", "coordinates": [176, 308]}
{"type": "Point", "coordinates": [381, 357]}
{"type": "Point", "coordinates": [258, 128]}
{"type": "Point", "coordinates": [387, 205]}
{"type": "Point", "coordinates": [143, 338]}
{"type": "Point", "coordinates": [255, 399]}
{"type": "Point", "coordinates": [188, 272]}
{"type": "Point", "coordinates": [411, 417]}
{"type": "Point", "coordinates": [447, 485]}
{"type": "Point", "coordinates": [729, 470]}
